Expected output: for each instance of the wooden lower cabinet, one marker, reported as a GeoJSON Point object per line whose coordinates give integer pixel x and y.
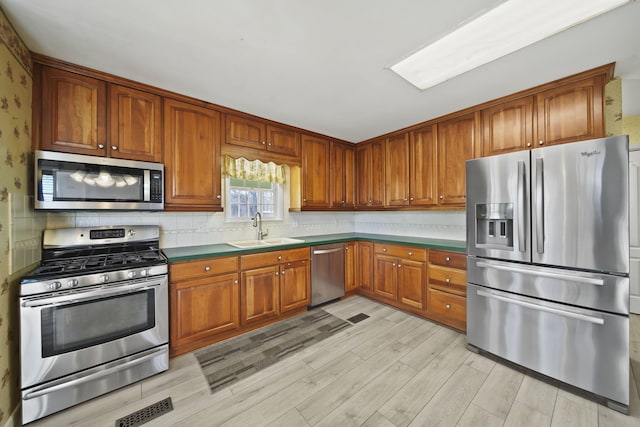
{"type": "Point", "coordinates": [350, 267]}
{"type": "Point", "coordinates": [294, 285]}
{"type": "Point", "coordinates": [259, 294]}
{"type": "Point", "coordinates": [203, 302]}
{"type": "Point", "coordinates": [447, 288]}
{"type": "Point", "coordinates": [364, 268]}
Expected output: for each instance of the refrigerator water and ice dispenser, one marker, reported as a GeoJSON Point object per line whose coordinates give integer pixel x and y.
{"type": "Point", "coordinates": [494, 225]}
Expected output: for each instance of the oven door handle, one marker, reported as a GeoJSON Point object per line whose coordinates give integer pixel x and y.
{"type": "Point", "coordinates": [87, 296]}
{"type": "Point", "coordinates": [91, 377]}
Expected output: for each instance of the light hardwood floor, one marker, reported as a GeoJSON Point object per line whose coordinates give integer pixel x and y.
{"type": "Point", "coordinates": [392, 369]}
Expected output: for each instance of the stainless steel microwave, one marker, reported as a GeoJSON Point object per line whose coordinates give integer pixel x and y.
{"type": "Point", "coordinates": [66, 181]}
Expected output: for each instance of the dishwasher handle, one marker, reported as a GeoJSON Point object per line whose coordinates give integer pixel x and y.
{"type": "Point", "coordinates": [326, 251]}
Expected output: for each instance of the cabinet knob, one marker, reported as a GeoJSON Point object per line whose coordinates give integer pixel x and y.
{"type": "Point", "coordinates": [235, 282]}
{"type": "Point", "coordinates": [342, 201]}
{"type": "Point", "coordinates": [541, 142]}
{"type": "Point", "coordinates": [264, 143]}
{"type": "Point", "coordinates": [411, 199]}
{"type": "Point", "coordinates": [448, 306]}
{"type": "Point", "coordinates": [277, 274]}
{"type": "Point", "coordinates": [399, 265]}
{"type": "Point", "coordinates": [304, 200]}
{"type": "Point", "coordinates": [100, 145]}
{"type": "Point", "coordinates": [218, 197]}
{"type": "Point", "coordinates": [283, 273]}
{"type": "Point", "coordinates": [528, 144]}
{"type": "Point", "coordinates": [384, 249]}
{"type": "Point", "coordinates": [441, 197]}
{"type": "Point", "coordinates": [114, 147]}
{"type": "Point", "coordinates": [447, 280]}
{"type": "Point", "coordinates": [393, 264]}
{"type": "Point", "coordinates": [269, 144]}
{"type": "Point", "coordinates": [279, 257]}
{"type": "Point", "coordinates": [406, 199]}
{"type": "Point", "coordinates": [447, 259]}
{"type": "Point", "coordinates": [410, 253]}
{"type": "Point", "coordinates": [207, 268]}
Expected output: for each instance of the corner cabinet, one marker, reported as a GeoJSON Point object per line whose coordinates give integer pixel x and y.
{"type": "Point", "coordinates": [456, 145]}
{"type": "Point", "coordinates": [203, 302]}
{"type": "Point", "coordinates": [192, 157]}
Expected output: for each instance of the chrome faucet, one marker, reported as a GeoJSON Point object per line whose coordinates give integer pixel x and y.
{"type": "Point", "coordinates": [257, 222]}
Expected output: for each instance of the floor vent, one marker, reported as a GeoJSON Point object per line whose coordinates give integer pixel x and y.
{"type": "Point", "coordinates": [146, 414]}
{"type": "Point", "coordinates": [357, 318]}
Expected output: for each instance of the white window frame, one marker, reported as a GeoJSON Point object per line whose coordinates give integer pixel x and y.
{"type": "Point", "coordinates": [278, 202]}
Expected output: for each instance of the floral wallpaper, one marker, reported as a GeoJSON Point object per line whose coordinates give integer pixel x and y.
{"type": "Point", "coordinates": [613, 107]}
{"type": "Point", "coordinates": [15, 148]}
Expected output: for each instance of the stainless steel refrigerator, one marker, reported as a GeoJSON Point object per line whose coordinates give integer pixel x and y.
{"type": "Point", "coordinates": [548, 263]}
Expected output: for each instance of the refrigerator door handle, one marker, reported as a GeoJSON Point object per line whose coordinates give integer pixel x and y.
{"type": "Point", "coordinates": [578, 316]}
{"type": "Point", "coordinates": [522, 207]}
{"type": "Point", "coordinates": [540, 273]}
{"type": "Point", "coordinates": [540, 205]}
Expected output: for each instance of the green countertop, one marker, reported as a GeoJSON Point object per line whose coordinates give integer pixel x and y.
{"type": "Point", "coordinates": [188, 253]}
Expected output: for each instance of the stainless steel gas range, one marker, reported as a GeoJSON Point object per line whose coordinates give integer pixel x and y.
{"type": "Point", "coordinates": [94, 316]}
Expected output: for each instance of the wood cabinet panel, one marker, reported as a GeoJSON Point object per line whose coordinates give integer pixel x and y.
{"type": "Point", "coordinates": [370, 169]}
{"type": "Point", "coordinates": [448, 259]}
{"type": "Point", "coordinates": [448, 279]}
{"type": "Point", "coordinates": [401, 251]}
{"type": "Point", "coordinates": [192, 159]}
{"type": "Point", "coordinates": [294, 285]}
{"type": "Point", "coordinates": [245, 132]}
{"type": "Point", "coordinates": [397, 170]}
{"type": "Point", "coordinates": [283, 141]}
{"type": "Point", "coordinates": [572, 112]}
{"type": "Point", "coordinates": [259, 294]}
{"type": "Point", "coordinates": [507, 127]}
{"type": "Point", "coordinates": [200, 268]}
{"type": "Point", "coordinates": [364, 269]}
{"type": "Point", "coordinates": [203, 307]}
{"type": "Point", "coordinates": [456, 142]}
{"type": "Point", "coordinates": [411, 283]}
{"type": "Point", "coordinates": [270, 258]}
{"type": "Point", "coordinates": [315, 172]}
{"type": "Point", "coordinates": [384, 277]}
{"type": "Point", "coordinates": [135, 120]}
{"type": "Point", "coordinates": [423, 176]}
{"type": "Point", "coordinates": [74, 113]}
{"type": "Point", "coordinates": [350, 265]}
{"type": "Point", "coordinates": [448, 308]}
{"type": "Point", "coordinates": [341, 177]}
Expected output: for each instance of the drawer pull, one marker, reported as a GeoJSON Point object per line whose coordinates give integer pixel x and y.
{"type": "Point", "coordinates": [384, 249]}
{"type": "Point", "coordinates": [447, 259]}
{"type": "Point", "coordinates": [279, 257]}
{"type": "Point", "coordinates": [207, 268]}
{"type": "Point", "coordinates": [447, 280]}
{"type": "Point", "coordinates": [448, 306]}
{"type": "Point", "coordinates": [410, 253]}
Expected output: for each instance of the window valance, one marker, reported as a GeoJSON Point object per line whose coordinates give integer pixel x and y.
{"type": "Point", "coordinates": [253, 170]}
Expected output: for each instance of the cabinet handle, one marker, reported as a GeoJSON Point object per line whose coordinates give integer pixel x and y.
{"type": "Point", "coordinates": [100, 145]}
{"type": "Point", "coordinates": [541, 142]}
{"type": "Point", "coordinates": [207, 268]}
{"type": "Point", "coordinates": [114, 147]}
{"type": "Point", "coordinates": [447, 259]}
{"type": "Point", "coordinates": [277, 274]}
{"type": "Point", "coordinates": [447, 280]}
{"type": "Point", "coordinates": [448, 306]}
{"type": "Point", "coordinates": [218, 197]}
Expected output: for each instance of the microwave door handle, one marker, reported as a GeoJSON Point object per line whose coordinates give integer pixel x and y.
{"type": "Point", "coordinates": [146, 186]}
{"type": "Point", "coordinates": [522, 207]}
{"type": "Point", "coordinates": [540, 205]}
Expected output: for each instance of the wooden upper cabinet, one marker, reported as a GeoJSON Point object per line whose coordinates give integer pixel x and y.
{"type": "Point", "coordinates": [192, 160]}
{"type": "Point", "coordinates": [571, 112]}
{"type": "Point", "coordinates": [315, 172]}
{"type": "Point", "coordinates": [74, 113]}
{"type": "Point", "coordinates": [135, 124]}
{"type": "Point", "coordinates": [456, 142]}
{"type": "Point", "coordinates": [397, 153]}
{"type": "Point", "coordinates": [341, 177]}
{"type": "Point", "coordinates": [423, 167]}
{"type": "Point", "coordinates": [370, 167]}
{"type": "Point", "coordinates": [507, 127]}
{"type": "Point", "coordinates": [251, 133]}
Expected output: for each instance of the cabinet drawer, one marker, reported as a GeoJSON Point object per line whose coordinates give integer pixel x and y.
{"type": "Point", "coordinates": [203, 267]}
{"type": "Point", "coordinates": [451, 279]}
{"type": "Point", "coordinates": [248, 262]}
{"type": "Point", "coordinates": [400, 251]}
{"type": "Point", "coordinates": [448, 308]}
{"type": "Point", "coordinates": [448, 259]}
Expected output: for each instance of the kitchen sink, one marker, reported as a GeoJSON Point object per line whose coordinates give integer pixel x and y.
{"type": "Point", "coordinates": [275, 241]}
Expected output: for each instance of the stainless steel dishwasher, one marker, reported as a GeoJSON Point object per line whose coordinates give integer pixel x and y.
{"type": "Point", "coordinates": [327, 273]}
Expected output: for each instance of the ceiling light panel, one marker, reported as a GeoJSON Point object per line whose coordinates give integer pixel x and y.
{"type": "Point", "coordinates": [511, 26]}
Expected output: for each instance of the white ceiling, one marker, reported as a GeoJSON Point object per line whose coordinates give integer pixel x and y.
{"type": "Point", "coordinates": [320, 65]}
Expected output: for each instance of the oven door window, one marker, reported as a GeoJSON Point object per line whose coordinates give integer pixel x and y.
{"type": "Point", "coordinates": [84, 324]}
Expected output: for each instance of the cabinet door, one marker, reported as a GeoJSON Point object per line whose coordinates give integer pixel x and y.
{"type": "Point", "coordinates": [507, 127]}
{"type": "Point", "coordinates": [364, 270]}
{"type": "Point", "coordinates": [377, 174]}
{"type": "Point", "coordinates": [363, 173]}
{"type": "Point", "coordinates": [315, 172]}
{"type": "Point", "coordinates": [412, 283]}
{"type": "Point", "coordinates": [572, 112]}
{"type": "Point", "coordinates": [203, 307]}
{"type": "Point", "coordinates": [384, 278]}
{"type": "Point", "coordinates": [341, 175]}
{"type": "Point", "coordinates": [422, 171]}
{"type": "Point", "coordinates": [192, 160]}
{"type": "Point", "coordinates": [350, 263]}
{"type": "Point", "coordinates": [294, 285]}
{"type": "Point", "coordinates": [74, 113]}
{"type": "Point", "coordinates": [135, 124]}
{"type": "Point", "coordinates": [259, 294]}
{"type": "Point", "coordinates": [245, 132]}
{"type": "Point", "coordinates": [283, 141]}
{"type": "Point", "coordinates": [456, 141]}
{"type": "Point", "coordinates": [397, 171]}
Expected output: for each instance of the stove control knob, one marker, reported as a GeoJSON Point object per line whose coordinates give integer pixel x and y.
{"type": "Point", "coordinates": [144, 272]}
{"type": "Point", "coordinates": [131, 274]}
{"type": "Point", "coordinates": [104, 278]}
{"type": "Point", "coordinates": [54, 286]}
{"type": "Point", "coordinates": [72, 283]}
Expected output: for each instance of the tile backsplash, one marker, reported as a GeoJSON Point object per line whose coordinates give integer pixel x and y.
{"type": "Point", "coordinates": [25, 239]}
